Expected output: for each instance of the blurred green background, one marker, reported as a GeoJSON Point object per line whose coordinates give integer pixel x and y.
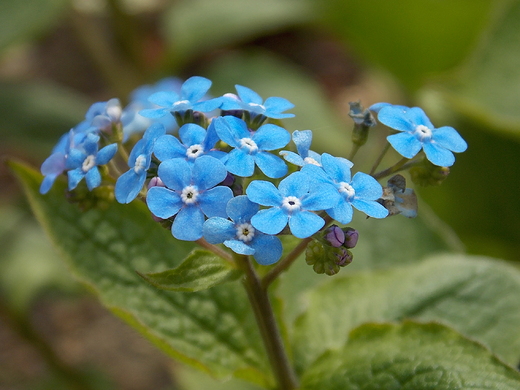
{"type": "Point", "coordinates": [457, 59]}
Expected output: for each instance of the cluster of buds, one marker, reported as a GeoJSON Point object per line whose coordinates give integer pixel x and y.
{"type": "Point", "coordinates": [330, 251]}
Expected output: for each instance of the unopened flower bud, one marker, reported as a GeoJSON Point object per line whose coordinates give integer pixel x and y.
{"type": "Point", "coordinates": [335, 236]}
{"type": "Point", "coordinates": [326, 259]}
{"type": "Point", "coordinates": [155, 182]}
{"type": "Point", "coordinates": [427, 174]}
{"type": "Point", "coordinates": [343, 257]}
{"type": "Point", "coordinates": [351, 237]}
{"type": "Point", "coordinates": [363, 120]}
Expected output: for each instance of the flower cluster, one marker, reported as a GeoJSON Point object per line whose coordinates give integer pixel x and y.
{"type": "Point", "coordinates": [211, 167]}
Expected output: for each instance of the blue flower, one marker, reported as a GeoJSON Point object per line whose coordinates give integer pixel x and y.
{"type": "Point", "coordinates": [192, 90]}
{"type": "Point", "coordinates": [190, 193]}
{"type": "Point", "coordinates": [195, 142]}
{"type": "Point", "coordinates": [362, 191]}
{"type": "Point", "coordinates": [293, 203]}
{"type": "Point", "coordinates": [83, 160]}
{"type": "Point", "coordinates": [250, 149]}
{"type": "Point", "coordinates": [130, 183]}
{"type": "Point", "coordinates": [302, 140]}
{"type": "Point", "coordinates": [417, 132]}
{"type": "Point", "coordinates": [135, 122]}
{"type": "Point", "coordinates": [239, 235]}
{"type": "Point", "coordinates": [250, 101]}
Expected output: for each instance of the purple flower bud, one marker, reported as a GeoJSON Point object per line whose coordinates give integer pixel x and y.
{"type": "Point", "coordinates": [155, 182]}
{"type": "Point", "coordinates": [344, 257]}
{"type": "Point", "coordinates": [335, 236]}
{"type": "Point", "coordinates": [351, 237]}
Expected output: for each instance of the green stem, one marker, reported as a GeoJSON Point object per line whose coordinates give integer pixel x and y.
{"type": "Point", "coordinates": [215, 249]}
{"type": "Point", "coordinates": [355, 148]}
{"type": "Point", "coordinates": [380, 158]}
{"type": "Point", "coordinates": [285, 263]}
{"type": "Point", "coordinates": [399, 166]}
{"type": "Point", "coordinates": [269, 331]}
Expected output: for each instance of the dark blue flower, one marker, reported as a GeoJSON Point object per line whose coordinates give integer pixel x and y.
{"type": "Point", "coordinates": [239, 235]}
{"type": "Point", "coordinates": [192, 90]}
{"type": "Point", "coordinates": [84, 159]}
{"type": "Point", "coordinates": [362, 191]}
{"type": "Point", "coordinates": [251, 148]}
{"type": "Point", "coordinates": [190, 193]}
{"type": "Point", "coordinates": [130, 183]}
{"type": "Point", "coordinates": [293, 203]}
{"type": "Point", "coordinates": [417, 132]}
{"type": "Point", "coordinates": [250, 101]}
{"type": "Point", "coordinates": [194, 142]}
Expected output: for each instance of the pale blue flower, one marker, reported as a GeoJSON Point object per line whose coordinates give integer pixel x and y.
{"type": "Point", "coordinates": [130, 183]}
{"type": "Point", "coordinates": [361, 191]}
{"type": "Point", "coordinates": [291, 203]}
{"type": "Point", "coordinates": [191, 193]}
{"type": "Point", "coordinates": [252, 148]}
{"type": "Point", "coordinates": [239, 235]}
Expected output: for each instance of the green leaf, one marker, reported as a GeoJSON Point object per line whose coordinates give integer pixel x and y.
{"type": "Point", "coordinates": [414, 40]}
{"type": "Point", "coordinates": [487, 89]}
{"type": "Point", "coordinates": [194, 26]}
{"type": "Point", "coordinates": [477, 296]}
{"type": "Point", "coordinates": [199, 271]}
{"type": "Point", "coordinates": [409, 356]}
{"type": "Point", "coordinates": [212, 330]}
{"type": "Point", "coordinates": [20, 20]}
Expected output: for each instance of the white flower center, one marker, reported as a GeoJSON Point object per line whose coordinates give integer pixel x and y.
{"type": "Point", "coordinates": [423, 133]}
{"type": "Point", "coordinates": [248, 144]}
{"type": "Point", "coordinates": [140, 163]}
{"type": "Point", "coordinates": [291, 203]}
{"type": "Point", "coordinates": [245, 232]}
{"type": "Point", "coordinates": [181, 103]}
{"type": "Point", "coordinates": [347, 190]}
{"type": "Point", "coordinates": [89, 163]}
{"type": "Point", "coordinates": [194, 151]}
{"type": "Point", "coordinates": [189, 195]}
{"type": "Point", "coordinates": [310, 160]}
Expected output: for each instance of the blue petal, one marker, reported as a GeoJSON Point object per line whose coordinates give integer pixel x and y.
{"type": "Point", "coordinates": [448, 138]}
{"type": "Point", "coordinates": [270, 137]}
{"type": "Point", "coordinates": [191, 134]}
{"type": "Point", "coordinates": [75, 177]}
{"type": "Point", "coordinates": [240, 209]}
{"type": "Point", "coordinates": [274, 106]}
{"type": "Point", "coordinates": [239, 247]}
{"type": "Point", "coordinates": [93, 178]}
{"type": "Point", "coordinates": [167, 147]}
{"type": "Point", "coordinates": [438, 155]}
{"type": "Point", "coordinates": [394, 117]}
{"type": "Point", "coordinates": [47, 183]}
{"type": "Point", "coordinates": [216, 230]}
{"type": "Point", "coordinates": [268, 249]}
{"type": "Point", "coordinates": [342, 212]}
{"type": "Point", "coordinates": [54, 164]}
{"type": "Point", "coordinates": [195, 88]}
{"type": "Point", "coordinates": [207, 105]}
{"type": "Point", "coordinates": [337, 169]}
{"type": "Point", "coordinates": [231, 130]}
{"type": "Point", "coordinates": [248, 95]}
{"type": "Point", "coordinates": [417, 116]}
{"type": "Point", "coordinates": [106, 154]}
{"type": "Point", "coordinates": [240, 163]}
{"type": "Point", "coordinates": [162, 99]}
{"type": "Point", "coordinates": [270, 221]}
{"type": "Point", "coordinates": [208, 172]}
{"type": "Point", "coordinates": [321, 197]}
{"type": "Point", "coordinates": [163, 202]}
{"type": "Point", "coordinates": [296, 184]}
{"type": "Point", "coordinates": [154, 113]}
{"type": "Point", "coordinates": [271, 165]}
{"type": "Point", "coordinates": [406, 144]}
{"type": "Point", "coordinates": [175, 173]}
{"type": "Point", "coordinates": [292, 157]}
{"type": "Point", "coordinates": [370, 208]}
{"type": "Point", "coordinates": [366, 186]}
{"type": "Point", "coordinates": [305, 224]}
{"type": "Point", "coordinates": [264, 193]}
{"type": "Point", "coordinates": [188, 223]}
{"type": "Point", "coordinates": [128, 186]}
{"type": "Point", "coordinates": [302, 140]}
{"type": "Point", "coordinates": [213, 202]}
